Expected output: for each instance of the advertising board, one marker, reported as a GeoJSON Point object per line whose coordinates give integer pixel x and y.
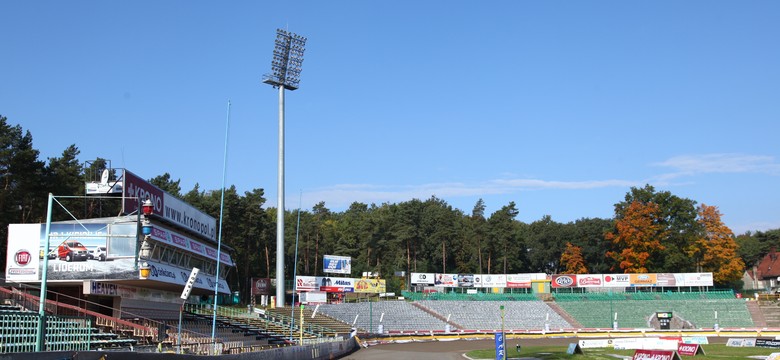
{"type": "Point", "coordinates": [590, 280]}
{"type": "Point", "coordinates": [166, 206]}
{"type": "Point", "coordinates": [446, 280]}
{"type": "Point", "coordinates": [422, 278]}
{"type": "Point", "coordinates": [261, 286]}
{"type": "Point", "coordinates": [564, 281]}
{"type": "Point", "coordinates": [518, 281]}
{"type": "Point", "coordinates": [337, 264]}
{"type": "Point", "coordinates": [638, 280]}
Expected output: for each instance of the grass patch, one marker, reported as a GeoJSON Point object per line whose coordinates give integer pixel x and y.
{"type": "Point", "coordinates": [713, 351]}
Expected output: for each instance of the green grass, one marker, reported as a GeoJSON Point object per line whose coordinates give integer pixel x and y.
{"type": "Point", "coordinates": [713, 352]}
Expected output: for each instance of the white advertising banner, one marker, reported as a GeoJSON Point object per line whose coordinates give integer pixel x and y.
{"type": "Point", "coordinates": [490, 280]}
{"type": "Point", "coordinates": [697, 279]}
{"type": "Point", "coordinates": [306, 283]}
{"type": "Point", "coordinates": [175, 275]}
{"type": "Point", "coordinates": [422, 278]}
{"type": "Point", "coordinates": [518, 280]}
{"type": "Point", "coordinates": [590, 280]}
{"type": "Point", "coordinates": [617, 280]}
{"type": "Point", "coordinates": [446, 280]}
{"type": "Point", "coordinates": [23, 258]}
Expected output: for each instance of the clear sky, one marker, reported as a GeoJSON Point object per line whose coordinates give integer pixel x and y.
{"type": "Point", "coordinates": [559, 106]}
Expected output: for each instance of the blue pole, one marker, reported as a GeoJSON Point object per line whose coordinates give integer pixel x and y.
{"type": "Point", "coordinates": [219, 237]}
{"type": "Point", "coordinates": [42, 299]}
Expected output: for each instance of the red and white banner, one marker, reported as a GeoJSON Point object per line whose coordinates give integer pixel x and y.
{"type": "Point", "coordinates": [655, 355]}
{"type": "Point", "coordinates": [518, 281]}
{"type": "Point", "coordinates": [590, 280]}
{"type": "Point", "coordinates": [564, 281]}
{"type": "Point", "coordinates": [690, 349]}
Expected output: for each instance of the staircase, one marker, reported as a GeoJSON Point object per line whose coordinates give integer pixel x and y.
{"type": "Point", "coordinates": [453, 324]}
{"type": "Point", "coordinates": [571, 320]}
{"type": "Point", "coordinates": [767, 314]}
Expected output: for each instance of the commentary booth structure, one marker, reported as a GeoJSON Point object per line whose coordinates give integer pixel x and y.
{"type": "Point", "coordinates": [134, 265]}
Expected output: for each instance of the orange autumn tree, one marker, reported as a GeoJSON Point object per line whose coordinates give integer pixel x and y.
{"type": "Point", "coordinates": [572, 257]}
{"type": "Point", "coordinates": [636, 237]}
{"type": "Point", "coordinates": [716, 249]}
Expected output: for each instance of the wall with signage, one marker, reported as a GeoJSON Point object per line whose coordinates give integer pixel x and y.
{"type": "Point", "coordinates": [559, 281]}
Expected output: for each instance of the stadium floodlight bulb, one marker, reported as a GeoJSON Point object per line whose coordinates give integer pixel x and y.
{"type": "Point", "coordinates": [287, 60]}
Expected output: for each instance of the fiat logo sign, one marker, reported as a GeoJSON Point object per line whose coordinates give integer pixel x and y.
{"type": "Point", "coordinates": [564, 281]}
{"type": "Point", "coordinates": [22, 257]}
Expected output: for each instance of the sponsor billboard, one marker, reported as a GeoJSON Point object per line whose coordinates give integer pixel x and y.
{"type": "Point", "coordinates": [617, 280]}
{"type": "Point", "coordinates": [668, 279]}
{"type": "Point", "coordinates": [590, 280]}
{"type": "Point", "coordinates": [564, 281]}
{"type": "Point", "coordinates": [336, 284]}
{"type": "Point", "coordinates": [465, 280]}
{"type": "Point", "coordinates": [306, 283]}
{"type": "Point", "coordinates": [261, 286]}
{"type": "Point", "coordinates": [655, 355]}
{"type": "Point", "coordinates": [642, 279]}
{"type": "Point", "coordinates": [446, 280]}
{"type": "Point", "coordinates": [166, 206]}
{"type": "Point", "coordinates": [374, 286]}
{"type": "Point", "coordinates": [337, 264]}
{"type": "Point", "coordinates": [697, 279]}
{"type": "Point", "coordinates": [490, 280]}
{"type": "Point", "coordinates": [518, 280]}
{"type": "Point", "coordinates": [422, 278]}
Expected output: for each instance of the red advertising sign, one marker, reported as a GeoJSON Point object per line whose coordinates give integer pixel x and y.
{"type": "Point", "coordinates": [564, 281]}
{"type": "Point", "coordinates": [690, 349]}
{"type": "Point", "coordinates": [655, 355]}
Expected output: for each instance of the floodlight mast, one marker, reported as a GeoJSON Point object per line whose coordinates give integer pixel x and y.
{"type": "Point", "coordinates": [286, 72]}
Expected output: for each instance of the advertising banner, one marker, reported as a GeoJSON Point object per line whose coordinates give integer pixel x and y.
{"type": "Point", "coordinates": [768, 343]}
{"type": "Point", "coordinates": [668, 279]}
{"type": "Point", "coordinates": [306, 283]}
{"type": "Point", "coordinates": [564, 281]}
{"type": "Point", "coordinates": [617, 280]}
{"type": "Point", "coordinates": [690, 349]}
{"type": "Point", "coordinates": [638, 280]}
{"type": "Point", "coordinates": [697, 279]}
{"type": "Point", "coordinates": [373, 286]}
{"type": "Point", "coordinates": [500, 346]}
{"type": "Point", "coordinates": [337, 264]}
{"type": "Point", "coordinates": [465, 280]}
{"type": "Point", "coordinates": [336, 284]}
{"type": "Point", "coordinates": [184, 242]}
{"type": "Point", "coordinates": [174, 275]}
{"type": "Point", "coordinates": [596, 343]}
{"type": "Point", "coordinates": [261, 286]}
{"type": "Point", "coordinates": [446, 280]}
{"type": "Point", "coordinates": [167, 207]}
{"type": "Point", "coordinates": [588, 280]}
{"type": "Point", "coordinates": [518, 281]}
{"type": "Point", "coordinates": [655, 355]}
{"type": "Point", "coordinates": [422, 278]}
{"type": "Point", "coordinates": [490, 280]}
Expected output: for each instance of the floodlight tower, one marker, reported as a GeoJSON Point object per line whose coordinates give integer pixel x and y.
{"type": "Point", "coordinates": [286, 67]}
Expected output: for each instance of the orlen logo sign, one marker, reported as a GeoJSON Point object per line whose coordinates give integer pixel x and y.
{"type": "Point", "coordinates": [22, 257]}
{"type": "Point", "coordinates": [563, 281]}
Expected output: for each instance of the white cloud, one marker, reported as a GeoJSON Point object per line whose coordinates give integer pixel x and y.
{"type": "Point", "coordinates": [720, 163]}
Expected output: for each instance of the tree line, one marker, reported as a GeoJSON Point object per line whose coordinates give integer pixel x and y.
{"type": "Point", "coordinates": [651, 231]}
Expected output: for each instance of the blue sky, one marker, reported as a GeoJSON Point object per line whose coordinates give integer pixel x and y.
{"type": "Point", "coordinates": [558, 106]}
